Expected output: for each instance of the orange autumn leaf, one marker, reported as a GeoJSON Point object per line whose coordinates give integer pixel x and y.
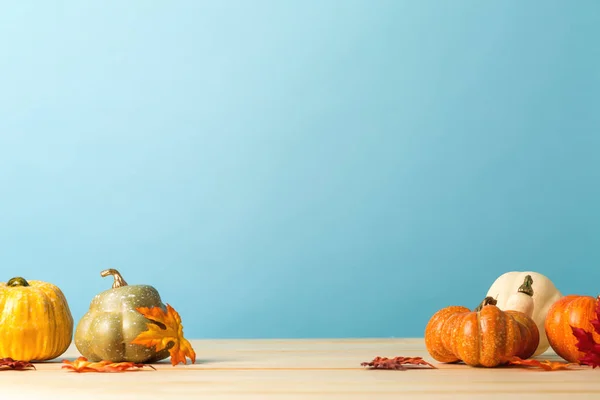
{"type": "Point", "coordinates": [9, 363]}
{"type": "Point", "coordinates": [158, 337]}
{"type": "Point", "coordinates": [83, 365]}
{"type": "Point", "coordinates": [544, 364]}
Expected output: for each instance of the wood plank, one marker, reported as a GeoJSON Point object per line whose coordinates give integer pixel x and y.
{"type": "Point", "coordinates": [300, 369]}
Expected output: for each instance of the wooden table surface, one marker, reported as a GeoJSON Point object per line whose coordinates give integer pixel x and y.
{"type": "Point", "coordinates": [300, 369]}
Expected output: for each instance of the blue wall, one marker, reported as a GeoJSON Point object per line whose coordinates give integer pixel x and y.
{"type": "Point", "coordinates": [300, 169]}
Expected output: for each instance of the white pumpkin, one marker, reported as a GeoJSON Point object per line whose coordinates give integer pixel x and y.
{"type": "Point", "coordinates": [512, 292]}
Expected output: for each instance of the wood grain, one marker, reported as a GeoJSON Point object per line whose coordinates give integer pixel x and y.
{"type": "Point", "coordinates": [300, 369]}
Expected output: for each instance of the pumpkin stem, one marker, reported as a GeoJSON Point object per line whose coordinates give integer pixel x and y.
{"type": "Point", "coordinates": [526, 286]}
{"type": "Point", "coordinates": [17, 281]}
{"type": "Point", "coordinates": [487, 301]}
{"type": "Point", "coordinates": [119, 281]}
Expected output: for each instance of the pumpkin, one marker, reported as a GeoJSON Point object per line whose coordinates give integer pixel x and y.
{"type": "Point", "coordinates": [35, 320]}
{"type": "Point", "coordinates": [112, 322]}
{"type": "Point", "coordinates": [572, 310]}
{"type": "Point", "coordinates": [511, 291]}
{"type": "Point", "coordinates": [485, 337]}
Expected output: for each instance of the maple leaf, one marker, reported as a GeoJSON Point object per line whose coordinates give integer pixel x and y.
{"type": "Point", "coordinates": [396, 363]}
{"type": "Point", "coordinates": [83, 365]}
{"type": "Point", "coordinates": [158, 337]}
{"type": "Point", "coordinates": [9, 363]}
{"type": "Point", "coordinates": [543, 364]}
{"type": "Point", "coordinates": [586, 343]}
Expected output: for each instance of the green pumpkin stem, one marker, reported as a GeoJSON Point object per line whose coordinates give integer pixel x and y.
{"type": "Point", "coordinates": [17, 281]}
{"type": "Point", "coordinates": [487, 301]}
{"type": "Point", "coordinates": [119, 281]}
{"type": "Point", "coordinates": [526, 286]}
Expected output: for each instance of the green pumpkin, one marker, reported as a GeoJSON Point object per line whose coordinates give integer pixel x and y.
{"type": "Point", "coordinates": [105, 332]}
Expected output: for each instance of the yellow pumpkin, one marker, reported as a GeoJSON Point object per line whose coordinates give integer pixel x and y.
{"type": "Point", "coordinates": [35, 320]}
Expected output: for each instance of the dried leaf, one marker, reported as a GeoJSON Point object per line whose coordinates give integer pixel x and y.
{"type": "Point", "coordinates": [83, 365]}
{"type": "Point", "coordinates": [10, 364]}
{"type": "Point", "coordinates": [396, 363]}
{"type": "Point", "coordinates": [543, 364]}
{"type": "Point", "coordinates": [586, 343]}
{"type": "Point", "coordinates": [158, 337]}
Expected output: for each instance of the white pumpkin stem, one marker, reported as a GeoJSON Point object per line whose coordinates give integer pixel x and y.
{"type": "Point", "coordinates": [526, 286]}
{"type": "Point", "coordinates": [119, 281]}
{"type": "Point", "coordinates": [522, 300]}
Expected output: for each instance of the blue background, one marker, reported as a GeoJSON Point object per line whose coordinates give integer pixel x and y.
{"type": "Point", "coordinates": [300, 168]}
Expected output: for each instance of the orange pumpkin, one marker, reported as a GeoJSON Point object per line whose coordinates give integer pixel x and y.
{"type": "Point", "coordinates": [572, 310]}
{"type": "Point", "coordinates": [485, 337]}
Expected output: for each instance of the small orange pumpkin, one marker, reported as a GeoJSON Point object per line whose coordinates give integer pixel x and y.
{"type": "Point", "coordinates": [572, 310]}
{"type": "Point", "coordinates": [485, 337]}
